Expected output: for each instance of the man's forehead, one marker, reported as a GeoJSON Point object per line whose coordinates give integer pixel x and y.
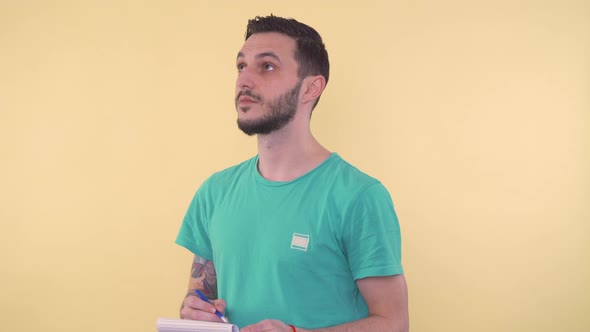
{"type": "Point", "coordinates": [268, 43]}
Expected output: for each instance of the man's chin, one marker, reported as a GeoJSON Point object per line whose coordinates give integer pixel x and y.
{"type": "Point", "coordinates": [247, 127]}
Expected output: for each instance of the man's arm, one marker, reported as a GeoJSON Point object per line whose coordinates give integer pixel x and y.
{"type": "Point", "coordinates": [387, 300]}
{"type": "Point", "coordinates": [204, 278]}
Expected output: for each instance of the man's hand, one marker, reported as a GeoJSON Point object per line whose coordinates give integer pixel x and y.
{"type": "Point", "coordinates": [195, 308]}
{"type": "Point", "coordinates": [268, 325]}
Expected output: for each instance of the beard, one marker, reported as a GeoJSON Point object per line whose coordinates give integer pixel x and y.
{"type": "Point", "coordinates": [280, 112]}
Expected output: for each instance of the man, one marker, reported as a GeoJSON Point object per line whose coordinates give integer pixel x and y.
{"type": "Point", "coordinates": [294, 239]}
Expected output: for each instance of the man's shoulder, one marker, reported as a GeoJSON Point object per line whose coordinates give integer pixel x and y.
{"type": "Point", "coordinates": [235, 169]}
{"type": "Point", "coordinates": [349, 175]}
{"type": "Point", "coordinates": [232, 172]}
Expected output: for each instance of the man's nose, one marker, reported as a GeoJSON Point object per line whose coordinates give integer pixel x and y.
{"type": "Point", "coordinates": [245, 80]}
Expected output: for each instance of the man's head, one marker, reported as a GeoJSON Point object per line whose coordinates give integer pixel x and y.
{"type": "Point", "coordinates": [280, 58]}
{"type": "Point", "coordinates": [310, 51]}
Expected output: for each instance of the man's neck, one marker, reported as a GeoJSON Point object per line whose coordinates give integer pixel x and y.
{"type": "Point", "coordinates": [285, 156]}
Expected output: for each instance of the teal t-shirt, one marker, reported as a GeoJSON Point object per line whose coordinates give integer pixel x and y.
{"type": "Point", "coordinates": [292, 250]}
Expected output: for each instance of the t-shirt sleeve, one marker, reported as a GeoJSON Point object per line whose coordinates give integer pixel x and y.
{"type": "Point", "coordinates": [372, 234]}
{"type": "Point", "coordinates": [194, 231]}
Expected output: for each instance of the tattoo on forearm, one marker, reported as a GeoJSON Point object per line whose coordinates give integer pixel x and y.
{"type": "Point", "coordinates": [203, 277]}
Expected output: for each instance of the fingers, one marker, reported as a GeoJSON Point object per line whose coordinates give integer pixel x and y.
{"type": "Point", "coordinates": [220, 305]}
{"type": "Point", "coordinates": [197, 309]}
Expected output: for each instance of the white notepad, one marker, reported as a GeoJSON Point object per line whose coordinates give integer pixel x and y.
{"type": "Point", "coordinates": [187, 325]}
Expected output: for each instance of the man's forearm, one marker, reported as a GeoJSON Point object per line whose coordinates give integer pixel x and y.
{"type": "Point", "coordinates": [369, 324]}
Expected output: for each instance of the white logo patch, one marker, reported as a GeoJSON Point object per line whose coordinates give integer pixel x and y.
{"type": "Point", "coordinates": [300, 241]}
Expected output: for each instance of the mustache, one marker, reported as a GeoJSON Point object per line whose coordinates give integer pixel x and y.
{"type": "Point", "coordinates": [248, 93]}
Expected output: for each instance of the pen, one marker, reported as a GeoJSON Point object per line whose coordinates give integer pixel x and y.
{"type": "Point", "coordinates": [204, 298]}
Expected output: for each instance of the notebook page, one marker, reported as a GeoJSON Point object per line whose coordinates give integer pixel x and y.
{"type": "Point", "coordinates": [187, 325]}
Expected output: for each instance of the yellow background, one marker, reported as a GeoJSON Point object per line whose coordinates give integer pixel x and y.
{"type": "Point", "coordinates": [475, 115]}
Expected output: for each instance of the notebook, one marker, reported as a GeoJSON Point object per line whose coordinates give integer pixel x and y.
{"type": "Point", "coordinates": [187, 325]}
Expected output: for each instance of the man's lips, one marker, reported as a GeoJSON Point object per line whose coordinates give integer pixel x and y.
{"type": "Point", "coordinates": [246, 100]}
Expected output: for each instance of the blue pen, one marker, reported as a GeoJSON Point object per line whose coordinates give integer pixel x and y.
{"type": "Point", "coordinates": [204, 298]}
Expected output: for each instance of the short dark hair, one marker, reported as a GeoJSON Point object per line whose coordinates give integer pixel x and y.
{"type": "Point", "coordinates": [310, 53]}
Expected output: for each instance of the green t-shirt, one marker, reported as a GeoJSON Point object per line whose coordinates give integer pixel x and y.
{"type": "Point", "coordinates": [292, 250]}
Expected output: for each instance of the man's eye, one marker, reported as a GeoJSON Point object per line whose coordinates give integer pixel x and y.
{"type": "Point", "coordinates": [268, 67]}
{"type": "Point", "coordinates": [240, 66]}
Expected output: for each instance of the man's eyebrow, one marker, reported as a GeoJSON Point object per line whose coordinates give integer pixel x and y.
{"type": "Point", "coordinates": [261, 55]}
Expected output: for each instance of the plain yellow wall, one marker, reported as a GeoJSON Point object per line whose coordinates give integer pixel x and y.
{"type": "Point", "coordinates": [475, 115]}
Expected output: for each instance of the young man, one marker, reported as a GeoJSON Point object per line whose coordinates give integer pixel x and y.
{"type": "Point", "coordinates": [294, 239]}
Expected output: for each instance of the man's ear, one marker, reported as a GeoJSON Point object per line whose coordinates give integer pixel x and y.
{"type": "Point", "coordinates": [312, 88]}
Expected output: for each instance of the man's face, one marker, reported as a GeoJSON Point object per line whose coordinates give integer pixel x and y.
{"type": "Point", "coordinates": [267, 88]}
